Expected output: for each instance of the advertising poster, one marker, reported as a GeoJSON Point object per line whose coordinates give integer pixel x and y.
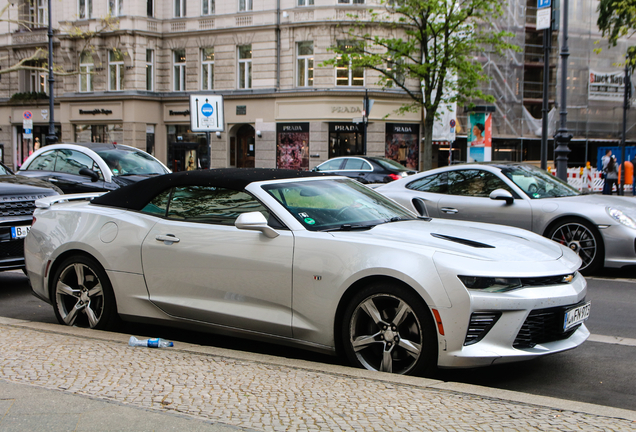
{"type": "Point", "coordinates": [402, 144]}
{"type": "Point", "coordinates": [292, 146]}
{"type": "Point", "coordinates": [479, 139]}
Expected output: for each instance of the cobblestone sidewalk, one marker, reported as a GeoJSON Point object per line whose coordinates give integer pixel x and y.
{"type": "Point", "coordinates": [261, 395]}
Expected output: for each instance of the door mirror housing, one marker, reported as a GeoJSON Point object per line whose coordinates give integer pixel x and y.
{"type": "Point", "coordinates": [89, 173]}
{"type": "Point", "coordinates": [255, 221]}
{"type": "Point", "coordinates": [502, 194]}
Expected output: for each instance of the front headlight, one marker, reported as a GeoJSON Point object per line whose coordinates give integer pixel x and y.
{"type": "Point", "coordinates": [621, 217]}
{"type": "Point", "coordinates": [491, 284]}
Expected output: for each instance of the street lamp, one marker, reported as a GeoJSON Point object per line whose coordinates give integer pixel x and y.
{"type": "Point", "coordinates": [562, 136]}
{"type": "Point", "coordinates": [51, 138]}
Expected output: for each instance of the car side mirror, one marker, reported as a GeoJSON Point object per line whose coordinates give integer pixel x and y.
{"type": "Point", "coordinates": [420, 207]}
{"type": "Point", "coordinates": [502, 194]}
{"type": "Point", "coordinates": [255, 221]}
{"type": "Point", "coordinates": [89, 173]}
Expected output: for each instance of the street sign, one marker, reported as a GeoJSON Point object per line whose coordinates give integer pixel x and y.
{"type": "Point", "coordinates": [206, 113]}
{"type": "Point", "coordinates": [27, 124]}
{"type": "Point", "coordinates": [543, 3]}
{"type": "Point", "coordinates": [27, 115]}
{"type": "Point", "coordinates": [544, 18]}
{"type": "Point", "coordinates": [28, 134]}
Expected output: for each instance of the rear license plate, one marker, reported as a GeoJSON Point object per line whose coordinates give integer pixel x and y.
{"type": "Point", "coordinates": [19, 232]}
{"type": "Point", "coordinates": [576, 316]}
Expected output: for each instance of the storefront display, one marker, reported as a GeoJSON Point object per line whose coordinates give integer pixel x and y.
{"type": "Point", "coordinates": [402, 144]}
{"type": "Point", "coordinates": [187, 150]}
{"type": "Point", "coordinates": [346, 139]}
{"type": "Point", "coordinates": [292, 146]}
{"type": "Point", "coordinates": [108, 133]}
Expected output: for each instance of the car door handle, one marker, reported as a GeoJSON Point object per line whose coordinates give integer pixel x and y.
{"type": "Point", "coordinates": [53, 180]}
{"type": "Point", "coordinates": [449, 210]}
{"type": "Point", "coordinates": [167, 239]}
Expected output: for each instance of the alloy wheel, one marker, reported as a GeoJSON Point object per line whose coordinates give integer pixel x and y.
{"type": "Point", "coordinates": [385, 334]}
{"type": "Point", "coordinates": [579, 239]}
{"type": "Point", "coordinates": [79, 296]}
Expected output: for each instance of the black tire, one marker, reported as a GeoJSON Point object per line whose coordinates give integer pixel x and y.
{"type": "Point", "coordinates": [408, 346]}
{"type": "Point", "coordinates": [82, 294]}
{"type": "Point", "coordinates": [584, 239]}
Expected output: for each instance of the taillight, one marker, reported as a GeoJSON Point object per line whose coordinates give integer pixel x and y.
{"type": "Point", "coordinates": [33, 221]}
{"type": "Point", "coordinates": [394, 177]}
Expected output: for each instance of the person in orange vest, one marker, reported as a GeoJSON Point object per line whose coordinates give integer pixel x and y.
{"type": "Point", "coordinates": [629, 173]}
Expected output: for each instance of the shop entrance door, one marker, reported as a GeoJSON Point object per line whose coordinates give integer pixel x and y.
{"type": "Point", "coordinates": [245, 147]}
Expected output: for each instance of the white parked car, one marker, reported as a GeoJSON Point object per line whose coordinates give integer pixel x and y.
{"type": "Point", "coordinates": [301, 258]}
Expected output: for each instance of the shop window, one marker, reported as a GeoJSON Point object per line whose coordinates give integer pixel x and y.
{"type": "Point", "coordinates": [208, 7]}
{"type": "Point", "coordinates": [179, 8]}
{"type": "Point", "coordinates": [150, 66]}
{"type": "Point", "coordinates": [186, 150]}
{"type": "Point", "coordinates": [115, 70]}
{"type": "Point", "coordinates": [111, 133]}
{"type": "Point", "coordinates": [115, 7]}
{"type": "Point", "coordinates": [292, 146]}
{"type": "Point", "coordinates": [346, 73]}
{"type": "Point", "coordinates": [345, 139]}
{"type": "Point", "coordinates": [245, 5]}
{"type": "Point", "coordinates": [207, 68]}
{"type": "Point", "coordinates": [179, 59]}
{"type": "Point", "coordinates": [402, 144]}
{"type": "Point", "coordinates": [305, 55]}
{"type": "Point", "coordinates": [245, 67]}
{"type": "Point", "coordinates": [86, 68]}
{"type": "Point", "coordinates": [84, 9]}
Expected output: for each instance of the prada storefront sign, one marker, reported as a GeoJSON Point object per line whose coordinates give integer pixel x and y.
{"type": "Point", "coordinates": [402, 128]}
{"type": "Point", "coordinates": [179, 113]}
{"type": "Point", "coordinates": [292, 127]}
{"type": "Point", "coordinates": [345, 127]}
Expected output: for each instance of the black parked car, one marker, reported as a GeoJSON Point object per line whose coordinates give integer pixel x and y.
{"type": "Point", "coordinates": [17, 203]}
{"type": "Point", "coordinates": [91, 167]}
{"type": "Point", "coordinates": [365, 169]}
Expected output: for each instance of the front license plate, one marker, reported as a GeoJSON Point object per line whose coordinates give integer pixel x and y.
{"type": "Point", "coordinates": [576, 316]}
{"type": "Point", "coordinates": [19, 232]}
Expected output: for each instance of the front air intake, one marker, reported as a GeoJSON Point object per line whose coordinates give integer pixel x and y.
{"type": "Point", "coordinates": [479, 325]}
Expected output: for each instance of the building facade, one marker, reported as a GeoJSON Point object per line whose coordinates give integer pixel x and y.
{"type": "Point", "coordinates": [127, 69]}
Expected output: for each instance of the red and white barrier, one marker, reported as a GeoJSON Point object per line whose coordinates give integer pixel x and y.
{"type": "Point", "coordinates": [588, 180]}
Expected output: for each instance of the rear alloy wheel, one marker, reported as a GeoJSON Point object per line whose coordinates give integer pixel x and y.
{"type": "Point", "coordinates": [82, 294]}
{"type": "Point", "coordinates": [387, 328]}
{"type": "Point", "coordinates": [581, 237]}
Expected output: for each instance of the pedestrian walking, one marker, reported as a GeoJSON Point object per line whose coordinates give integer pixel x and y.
{"type": "Point", "coordinates": [604, 162]}
{"type": "Point", "coordinates": [611, 176]}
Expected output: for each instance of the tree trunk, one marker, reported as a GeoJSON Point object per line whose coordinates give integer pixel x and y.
{"type": "Point", "coordinates": [426, 161]}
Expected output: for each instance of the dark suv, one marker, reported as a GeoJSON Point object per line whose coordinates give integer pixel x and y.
{"type": "Point", "coordinates": [17, 203]}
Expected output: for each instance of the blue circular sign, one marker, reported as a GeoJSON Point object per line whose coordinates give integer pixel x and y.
{"type": "Point", "coordinates": [207, 110]}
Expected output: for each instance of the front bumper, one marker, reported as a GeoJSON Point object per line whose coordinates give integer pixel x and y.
{"type": "Point", "coordinates": [620, 245]}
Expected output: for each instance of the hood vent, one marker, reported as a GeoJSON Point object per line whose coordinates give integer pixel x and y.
{"type": "Point", "coordinates": [465, 242]}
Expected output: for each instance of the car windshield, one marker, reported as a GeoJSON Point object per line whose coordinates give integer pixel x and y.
{"type": "Point", "coordinates": [325, 205]}
{"type": "Point", "coordinates": [4, 171]}
{"type": "Point", "coordinates": [537, 183]}
{"type": "Point", "coordinates": [390, 164]}
{"type": "Point", "coordinates": [130, 162]}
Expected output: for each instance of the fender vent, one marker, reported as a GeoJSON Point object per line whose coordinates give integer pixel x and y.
{"type": "Point", "coordinates": [479, 325]}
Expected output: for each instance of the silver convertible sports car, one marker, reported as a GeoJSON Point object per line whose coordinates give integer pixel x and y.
{"type": "Point", "coordinates": [306, 259]}
{"type": "Point", "coordinates": [600, 228]}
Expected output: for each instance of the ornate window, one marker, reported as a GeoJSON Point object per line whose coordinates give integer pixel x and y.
{"type": "Point", "coordinates": [150, 66]}
{"type": "Point", "coordinates": [115, 70]}
{"type": "Point", "coordinates": [179, 66]}
{"type": "Point", "coordinates": [245, 67]}
{"type": "Point", "coordinates": [207, 68]}
{"type": "Point", "coordinates": [305, 63]}
{"type": "Point", "coordinates": [86, 68]}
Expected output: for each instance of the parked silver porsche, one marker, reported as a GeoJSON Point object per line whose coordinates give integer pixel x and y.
{"type": "Point", "coordinates": [316, 261]}
{"type": "Point", "coordinates": [601, 229]}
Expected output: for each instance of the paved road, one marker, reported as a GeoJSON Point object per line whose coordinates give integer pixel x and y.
{"type": "Point", "coordinates": [597, 372]}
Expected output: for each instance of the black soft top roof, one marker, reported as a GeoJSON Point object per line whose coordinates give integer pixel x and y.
{"type": "Point", "coordinates": [138, 195]}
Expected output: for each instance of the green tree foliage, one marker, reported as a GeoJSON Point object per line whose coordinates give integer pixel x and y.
{"type": "Point", "coordinates": [616, 19]}
{"type": "Point", "coordinates": [426, 41]}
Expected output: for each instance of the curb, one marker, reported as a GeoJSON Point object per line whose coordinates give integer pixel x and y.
{"type": "Point", "coordinates": [469, 389]}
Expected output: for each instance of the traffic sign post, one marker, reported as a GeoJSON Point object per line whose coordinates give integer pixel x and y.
{"type": "Point", "coordinates": [27, 125]}
{"type": "Point", "coordinates": [206, 113]}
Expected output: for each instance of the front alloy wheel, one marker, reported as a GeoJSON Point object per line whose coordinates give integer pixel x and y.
{"type": "Point", "coordinates": [582, 238]}
{"type": "Point", "coordinates": [83, 295]}
{"type": "Point", "coordinates": [388, 329]}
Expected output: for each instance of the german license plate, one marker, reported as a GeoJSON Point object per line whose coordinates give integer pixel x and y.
{"type": "Point", "coordinates": [19, 232]}
{"type": "Point", "coordinates": [576, 316]}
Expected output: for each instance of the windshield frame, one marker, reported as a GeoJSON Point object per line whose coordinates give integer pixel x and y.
{"type": "Point", "coordinates": [543, 184]}
{"type": "Point", "coordinates": [330, 204]}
